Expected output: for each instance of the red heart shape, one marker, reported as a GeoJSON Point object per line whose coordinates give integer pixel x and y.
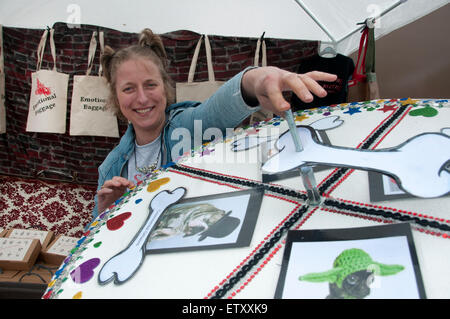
{"type": "Point", "coordinates": [48, 294]}
{"type": "Point", "coordinates": [117, 222]}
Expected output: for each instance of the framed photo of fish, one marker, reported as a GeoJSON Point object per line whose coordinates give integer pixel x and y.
{"type": "Point", "coordinates": [378, 262]}
{"type": "Point", "coordinates": [208, 222]}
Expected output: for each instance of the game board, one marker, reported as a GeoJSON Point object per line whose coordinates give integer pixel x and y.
{"type": "Point", "coordinates": [202, 255]}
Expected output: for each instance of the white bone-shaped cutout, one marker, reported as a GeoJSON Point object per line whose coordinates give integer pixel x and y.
{"type": "Point", "coordinates": [123, 265]}
{"type": "Point", "coordinates": [446, 131]}
{"type": "Point", "coordinates": [252, 141]}
{"type": "Point", "coordinates": [418, 165]}
{"type": "Point", "coordinates": [327, 123]}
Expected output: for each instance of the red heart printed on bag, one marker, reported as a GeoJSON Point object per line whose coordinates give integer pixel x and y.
{"type": "Point", "coordinates": [118, 221]}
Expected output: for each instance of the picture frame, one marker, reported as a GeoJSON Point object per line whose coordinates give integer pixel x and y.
{"type": "Point", "coordinates": [376, 262]}
{"type": "Point", "coordinates": [384, 188]}
{"type": "Point", "coordinates": [234, 229]}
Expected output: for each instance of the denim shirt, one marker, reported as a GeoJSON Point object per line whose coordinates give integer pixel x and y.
{"type": "Point", "coordinates": [225, 109]}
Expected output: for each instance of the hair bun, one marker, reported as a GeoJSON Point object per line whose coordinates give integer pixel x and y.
{"type": "Point", "coordinates": [148, 39]}
{"type": "Point", "coordinates": [105, 60]}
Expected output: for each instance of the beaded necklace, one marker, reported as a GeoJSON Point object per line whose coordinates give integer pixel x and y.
{"type": "Point", "coordinates": [149, 168]}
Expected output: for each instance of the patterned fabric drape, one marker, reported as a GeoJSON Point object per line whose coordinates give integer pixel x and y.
{"type": "Point", "coordinates": [63, 208]}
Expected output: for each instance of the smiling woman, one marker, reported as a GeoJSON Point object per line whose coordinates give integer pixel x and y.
{"type": "Point", "coordinates": [141, 96]}
{"type": "Point", "coordinates": [148, 53]}
{"type": "Point", "coordinates": [142, 93]}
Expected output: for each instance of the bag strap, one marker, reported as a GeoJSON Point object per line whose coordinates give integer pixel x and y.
{"type": "Point", "coordinates": [41, 49]}
{"type": "Point", "coordinates": [358, 73]}
{"type": "Point", "coordinates": [259, 115]}
{"type": "Point", "coordinates": [52, 48]}
{"type": "Point", "coordinates": [194, 60]}
{"type": "Point", "coordinates": [101, 38]}
{"type": "Point", "coordinates": [264, 53]}
{"type": "Point", "coordinates": [92, 49]}
{"type": "Point", "coordinates": [211, 76]}
{"type": "Point", "coordinates": [1, 50]}
{"type": "Point", "coordinates": [193, 66]}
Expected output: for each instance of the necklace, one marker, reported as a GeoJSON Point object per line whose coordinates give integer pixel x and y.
{"type": "Point", "coordinates": [147, 169]}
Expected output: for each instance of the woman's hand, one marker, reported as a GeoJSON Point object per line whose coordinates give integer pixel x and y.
{"type": "Point", "coordinates": [112, 190]}
{"type": "Point", "coordinates": [267, 84]}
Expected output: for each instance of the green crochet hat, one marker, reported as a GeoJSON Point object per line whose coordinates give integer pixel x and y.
{"type": "Point", "coordinates": [348, 262]}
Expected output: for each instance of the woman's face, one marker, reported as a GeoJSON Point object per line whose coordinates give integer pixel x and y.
{"type": "Point", "coordinates": [141, 96]}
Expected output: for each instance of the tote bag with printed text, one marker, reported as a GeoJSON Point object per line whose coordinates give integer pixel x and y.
{"type": "Point", "coordinates": [48, 96]}
{"type": "Point", "coordinates": [89, 113]}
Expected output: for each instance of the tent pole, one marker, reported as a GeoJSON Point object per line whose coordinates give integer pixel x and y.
{"type": "Point", "coordinates": [324, 29]}
{"type": "Point", "coordinates": [395, 5]}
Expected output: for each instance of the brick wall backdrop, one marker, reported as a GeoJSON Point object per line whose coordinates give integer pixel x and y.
{"type": "Point", "coordinates": [25, 153]}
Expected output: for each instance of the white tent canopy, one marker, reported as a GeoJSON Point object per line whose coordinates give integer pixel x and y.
{"type": "Point", "coordinates": [283, 19]}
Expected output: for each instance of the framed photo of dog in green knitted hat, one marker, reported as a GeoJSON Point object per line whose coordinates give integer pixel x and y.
{"type": "Point", "coordinates": [378, 262]}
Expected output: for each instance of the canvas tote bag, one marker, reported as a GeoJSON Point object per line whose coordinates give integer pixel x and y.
{"type": "Point", "coordinates": [2, 86]}
{"type": "Point", "coordinates": [198, 91]}
{"type": "Point", "coordinates": [89, 114]}
{"type": "Point", "coordinates": [260, 115]}
{"type": "Point", "coordinates": [48, 97]}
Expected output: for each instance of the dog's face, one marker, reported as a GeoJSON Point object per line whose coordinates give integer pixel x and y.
{"type": "Point", "coordinates": [355, 285]}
